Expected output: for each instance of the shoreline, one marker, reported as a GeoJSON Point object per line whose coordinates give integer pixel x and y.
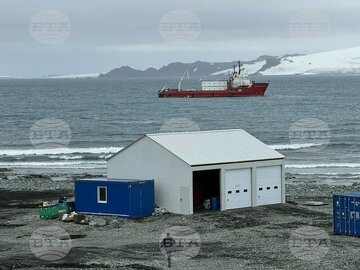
{"type": "Point", "coordinates": [247, 238]}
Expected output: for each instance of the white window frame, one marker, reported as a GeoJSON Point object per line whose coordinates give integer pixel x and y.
{"type": "Point", "coordinates": [98, 194]}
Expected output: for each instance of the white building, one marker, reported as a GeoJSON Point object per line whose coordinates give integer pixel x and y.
{"type": "Point", "coordinates": [189, 167]}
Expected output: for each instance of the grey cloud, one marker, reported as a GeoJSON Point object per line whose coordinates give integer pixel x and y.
{"type": "Point", "coordinates": [103, 31]}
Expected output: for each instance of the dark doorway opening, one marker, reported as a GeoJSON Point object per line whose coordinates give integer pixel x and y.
{"type": "Point", "coordinates": [206, 186]}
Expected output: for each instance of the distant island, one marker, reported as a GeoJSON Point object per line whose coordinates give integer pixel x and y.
{"type": "Point", "coordinates": [344, 61]}
{"type": "Point", "coordinates": [176, 69]}
{"type": "Point", "coordinates": [336, 62]}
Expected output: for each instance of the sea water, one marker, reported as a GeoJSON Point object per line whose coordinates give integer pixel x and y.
{"type": "Point", "coordinates": [105, 115]}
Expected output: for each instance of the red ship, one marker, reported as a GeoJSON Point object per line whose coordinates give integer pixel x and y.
{"type": "Point", "coordinates": [237, 85]}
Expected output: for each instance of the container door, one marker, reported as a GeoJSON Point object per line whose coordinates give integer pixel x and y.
{"type": "Point", "coordinates": [135, 200]}
{"type": "Point", "coordinates": [353, 216]}
{"type": "Point", "coordinates": [346, 215]}
{"type": "Point", "coordinates": [237, 188]}
{"type": "Point", "coordinates": [184, 200]}
{"type": "Point", "coordinates": [147, 198]}
{"type": "Point", "coordinates": [268, 185]}
{"type": "Point", "coordinates": [339, 214]}
{"type": "Point", "coordinates": [357, 215]}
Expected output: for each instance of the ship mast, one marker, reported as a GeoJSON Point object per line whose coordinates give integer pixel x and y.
{"type": "Point", "coordinates": [182, 78]}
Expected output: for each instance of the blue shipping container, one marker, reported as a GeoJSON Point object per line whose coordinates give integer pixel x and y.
{"type": "Point", "coordinates": [127, 198]}
{"type": "Point", "coordinates": [346, 207]}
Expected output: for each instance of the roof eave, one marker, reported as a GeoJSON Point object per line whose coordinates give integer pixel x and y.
{"type": "Point", "coordinates": [231, 162]}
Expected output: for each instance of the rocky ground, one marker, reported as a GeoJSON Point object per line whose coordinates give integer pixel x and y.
{"type": "Point", "coordinates": [271, 237]}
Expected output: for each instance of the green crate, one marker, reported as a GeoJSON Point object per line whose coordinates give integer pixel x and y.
{"type": "Point", "coordinates": [52, 211]}
{"type": "Point", "coordinates": [48, 212]}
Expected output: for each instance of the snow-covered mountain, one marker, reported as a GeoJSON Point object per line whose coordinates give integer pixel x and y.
{"type": "Point", "coordinates": [344, 61]}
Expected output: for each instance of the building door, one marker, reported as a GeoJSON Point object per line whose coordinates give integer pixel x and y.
{"type": "Point", "coordinates": [206, 185]}
{"type": "Point", "coordinates": [184, 200]}
{"type": "Point", "coordinates": [268, 185]}
{"type": "Point", "coordinates": [237, 188]}
{"type": "Point", "coordinates": [136, 200]}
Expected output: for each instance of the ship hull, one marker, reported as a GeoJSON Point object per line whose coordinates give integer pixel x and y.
{"type": "Point", "coordinates": [255, 89]}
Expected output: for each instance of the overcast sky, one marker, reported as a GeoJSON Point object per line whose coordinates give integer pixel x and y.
{"type": "Point", "coordinates": [98, 35]}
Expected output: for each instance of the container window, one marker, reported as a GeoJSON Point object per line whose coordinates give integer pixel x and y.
{"type": "Point", "coordinates": [245, 190]}
{"type": "Point", "coordinates": [275, 187]}
{"type": "Point", "coordinates": [267, 188]}
{"type": "Point", "coordinates": [102, 194]}
{"type": "Point", "coordinates": [260, 188]}
{"type": "Point", "coordinates": [229, 192]}
{"type": "Point", "coordinates": [238, 191]}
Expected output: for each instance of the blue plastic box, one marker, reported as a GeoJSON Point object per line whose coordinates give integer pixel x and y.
{"type": "Point", "coordinates": [120, 197]}
{"type": "Point", "coordinates": [346, 207]}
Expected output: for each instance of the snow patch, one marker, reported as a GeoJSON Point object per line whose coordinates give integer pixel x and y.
{"type": "Point", "coordinates": [342, 61]}
{"type": "Point", "coordinates": [249, 68]}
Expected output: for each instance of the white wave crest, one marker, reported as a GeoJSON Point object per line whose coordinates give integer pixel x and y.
{"type": "Point", "coordinates": [57, 165]}
{"type": "Point", "coordinates": [58, 151]}
{"type": "Point", "coordinates": [324, 165]}
{"type": "Point", "coordinates": [293, 146]}
{"type": "Point", "coordinates": [336, 175]}
{"type": "Point", "coordinates": [66, 157]}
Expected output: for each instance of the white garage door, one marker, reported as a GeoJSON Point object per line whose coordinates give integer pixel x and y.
{"type": "Point", "coordinates": [268, 186]}
{"type": "Point", "coordinates": [237, 188]}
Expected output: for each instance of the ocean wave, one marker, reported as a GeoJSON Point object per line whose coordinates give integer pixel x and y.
{"type": "Point", "coordinates": [51, 158]}
{"type": "Point", "coordinates": [293, 146]}
{"type": "Point", "coordinates": [59, 151]}
{"type": "Point", "coordinates": [323, 165]}
{"type": "Point", "coordinates": [102, 164]}
{"type": "Point", "coordinates": [339, 175]}
{"type": "Point", "coordinates": [56, 164]}
{"type": "Point", "coordinates": [63, 157]}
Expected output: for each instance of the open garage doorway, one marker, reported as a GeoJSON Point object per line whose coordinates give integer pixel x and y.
{"type": "Point", "coordinates": [206, 186]}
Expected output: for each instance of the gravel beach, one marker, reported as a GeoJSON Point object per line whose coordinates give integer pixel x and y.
{"type": "Point", "coordinates": [271, 237]}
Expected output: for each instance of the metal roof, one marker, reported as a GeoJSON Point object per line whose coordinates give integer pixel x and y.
{"type": "Point", "coordinates": [215, 147]}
